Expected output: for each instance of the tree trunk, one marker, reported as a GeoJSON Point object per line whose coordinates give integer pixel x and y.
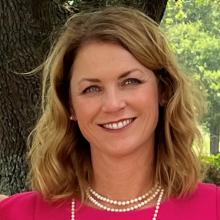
{"type": "Point", "coordinates": [25, 32]}
{"type": "Point", "coordinates": [25, 28]}
{"type": "Point", "coordinates": [153, 8]}
{"type": "Point", "coordinates": [214, 138]}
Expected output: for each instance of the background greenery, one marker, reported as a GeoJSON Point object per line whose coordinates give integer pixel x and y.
{"type": "Point", "coordinates": [193, 27]}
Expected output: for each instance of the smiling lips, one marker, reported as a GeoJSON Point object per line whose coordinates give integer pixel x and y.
{"type": "Point", "coordinates": [118, 125]}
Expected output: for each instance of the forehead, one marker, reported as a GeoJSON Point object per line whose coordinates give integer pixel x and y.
{"type": "Point", "coordinates": [101, 59]}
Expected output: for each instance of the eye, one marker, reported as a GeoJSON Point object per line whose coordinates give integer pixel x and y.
{"type": "Point", "coordinates": [131, 81]}
{"type": "Point", "coordinates": [91, 89]}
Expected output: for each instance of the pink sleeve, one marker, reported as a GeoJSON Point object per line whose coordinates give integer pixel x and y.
{"type": "Point", "coordinates": [218, 203]}
{"type": "Point", "coordinates": [32, 206]}
{"type": "Point", "coordinates": [19, 206]}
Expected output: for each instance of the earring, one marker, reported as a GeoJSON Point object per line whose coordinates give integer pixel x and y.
{"type": "Point", "coordinates": [71, 118]}
{"type": "Point", "coordinates": [163, 103]}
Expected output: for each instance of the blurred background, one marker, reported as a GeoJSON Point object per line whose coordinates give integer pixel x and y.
{"type": "Point", "coordinates": [28, 28]}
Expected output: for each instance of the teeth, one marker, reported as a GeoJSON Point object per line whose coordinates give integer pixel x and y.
{"type": "Point", "coordinates": [118, 125]}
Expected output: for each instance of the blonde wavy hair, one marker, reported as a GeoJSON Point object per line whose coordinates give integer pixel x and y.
{"type": "Point", "coordinates": [60, 155]}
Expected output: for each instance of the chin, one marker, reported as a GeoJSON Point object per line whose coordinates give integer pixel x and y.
{"type": "Point", "coordinates": [123, 149]}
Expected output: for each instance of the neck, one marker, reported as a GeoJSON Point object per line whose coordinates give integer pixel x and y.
{"type": "Point", "coordinates": [123, 178]}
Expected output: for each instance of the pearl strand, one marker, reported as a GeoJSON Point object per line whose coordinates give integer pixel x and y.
{"type": "Point", "coordinates": [73, 210]}
{"type": "Point", "coordinates": [134, 207]}
{"type": "Point", "coordinates": [121, 202]}
{"type": "Point", "coordinates": [155, 215]}
{"type": "Point", "coordinates": [156, 211]}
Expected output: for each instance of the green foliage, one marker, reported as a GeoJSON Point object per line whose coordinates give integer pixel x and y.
{"type": "Point", "coordinates": [193, 27]}
{"type": "Point", "coordinates": [213, 160]}
{"type": "Point", "coordinates": [211, 167]}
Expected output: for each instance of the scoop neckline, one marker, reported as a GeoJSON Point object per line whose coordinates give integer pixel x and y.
{"type": "Point", "coordinates": [80, 205]}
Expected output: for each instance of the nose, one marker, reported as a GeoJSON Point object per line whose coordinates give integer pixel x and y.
{"type": "Point", "coordinates": [113, 101]}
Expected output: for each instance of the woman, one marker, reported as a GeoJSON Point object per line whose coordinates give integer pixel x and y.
{"type": "Point", "coordinates": [115, 137]}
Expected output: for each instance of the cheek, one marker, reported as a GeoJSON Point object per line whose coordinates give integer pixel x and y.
{"type": "Point", "coordinates": [148, 98]}
{"type": "Point", "coordinates": [149, 107]}
{"type": "Point", "coordinates": [85, 109]}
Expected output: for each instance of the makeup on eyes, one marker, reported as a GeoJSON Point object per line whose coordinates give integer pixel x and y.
{"type": "Point", "coordinates": [133, 75]}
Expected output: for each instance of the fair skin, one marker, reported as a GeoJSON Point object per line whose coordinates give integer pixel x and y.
{"type": "Point", "coordinates": [115, 102]}
{"type": "Point", "coordinates": [2, 197]}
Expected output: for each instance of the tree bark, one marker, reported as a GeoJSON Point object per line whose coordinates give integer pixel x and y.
{"type": "Point", "coordinates": [214, 138]}
{"type": "Point", "coordinates": [153, 8]}
{"type": "Point", "coordinates": [26, 26]}
{"type": "Point", "coordinates": [24, 35]}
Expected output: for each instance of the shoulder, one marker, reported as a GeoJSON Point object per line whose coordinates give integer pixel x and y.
{"type": "Point", "coordinates": [204, 198]}
{"type": "Point", "coordinates": [205, 193]}
{"type": "Point", "coordinates": [20, 205]}
{"type": "Point", "coordinates": [207, 189]}
{"type": "Point", "coordinates": [208, 198]}
{"type": "Point", "coordinates": [32, 205]}
{"type": "Point", "coordinates": [20, 199]}
{"type": "Point", "coordinates": [218, 202]}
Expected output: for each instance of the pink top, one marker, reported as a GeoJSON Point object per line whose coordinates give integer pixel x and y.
{"type": "Point", "coordinates": [203, 204]}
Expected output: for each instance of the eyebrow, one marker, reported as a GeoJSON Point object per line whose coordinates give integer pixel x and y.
{"type": "Point", "coordinates": [123, 75]}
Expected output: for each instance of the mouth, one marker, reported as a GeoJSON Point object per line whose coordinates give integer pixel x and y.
{"type": "Point", "coordinates": [118, 125]}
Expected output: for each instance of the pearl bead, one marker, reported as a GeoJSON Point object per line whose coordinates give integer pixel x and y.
{"type": "Point", "coordinates": [123, 203]}
{"type": "Point", "coordinates": [156, 211]}
{"type": "Point", "coordinates": [136, 206]}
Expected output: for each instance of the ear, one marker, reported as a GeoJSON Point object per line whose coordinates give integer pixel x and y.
{"type": "Point", "coordinates": [72, 113]}
{"type": "Point", "coordinates": [162, 99]}
{"type": "Point", "coordinates": [163, 86]}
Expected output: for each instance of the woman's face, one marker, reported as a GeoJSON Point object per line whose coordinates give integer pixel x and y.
{"type": "Point", "coordinates": [115, 99]}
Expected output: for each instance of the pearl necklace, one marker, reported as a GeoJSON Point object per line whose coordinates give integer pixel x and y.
{"type": "Point", "coordinates": [156, 211]}
{"type": "Point", "coordinates": [120, 202]}
{"type": "Point", "coordinates": [134, 207]}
